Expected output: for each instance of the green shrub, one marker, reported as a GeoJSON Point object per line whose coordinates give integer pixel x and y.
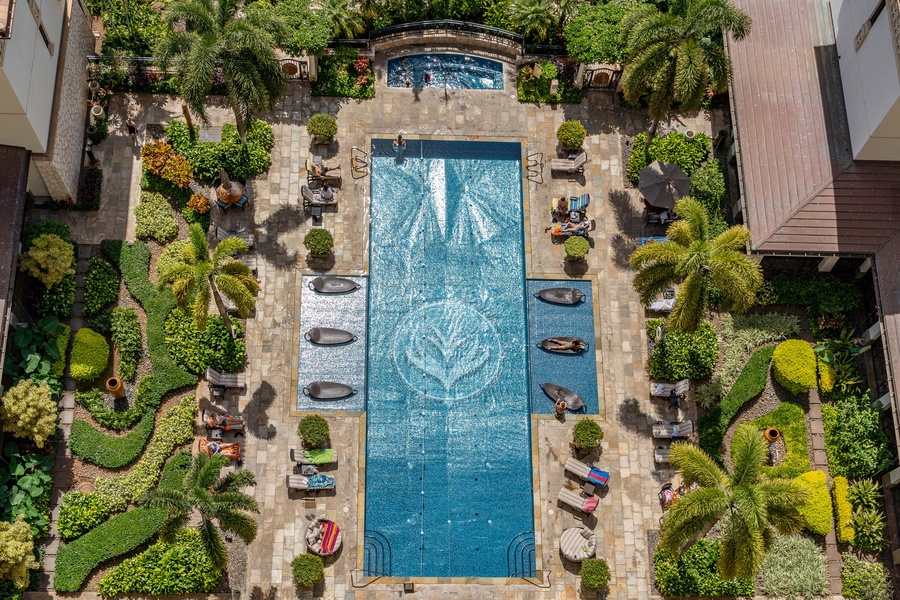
{"type": "Point", "coordinates": [28, 480]}
{"type": "Point", "coordinates": [708, 186]}
{"type": "Point", "coordinates": [175, 470]}
{"type": "Point", "coordinates": [175, 428]}
{"type": "Point", "coordinates": [683, 355]}
{"type": "Point", "coordinates": [865, 493]}
{"type": "Point", "coordinates": [62, 346]}
{"type": "Point", "coordinates": [696, 573]}
{"type": "Point", "coordinates": [313, 429]}
{"type": "Point", "coordinates": [341, 74]}
{"type": "Point", "coordinates": [181, 197]}
{"type": "Point", "coordinates": [587, 434]}
{"type": "Point", "coordinates": [594, 574]}
{"type": "Point", "coordinates": [537, 89]}
{"type": "Point", "coordinates": [795, 567]}
{"type": "Point", "coordinates": [146, 398]}
{"type": "Point", "coordinates": [577, 248]}
{"type": "Point", "coordinates": [90, 355]}
{"type": "Point", "coordinates": [109, 451]}
{"type": "Point", "coordinates": [673, 148]}
{"type": "Point", "coordinates": [155, 219]}
{"type": "Point", "coordinates": [794, 366]}
{"type": "Point", "coordinates": [28, 411]}
{"type": "Point", "coordinates": [101, 286]}
{"type": "Point", "coordinates": [571, 134]}
{"type": "Point", "coordinates": [49, 259]}
{"type": "Point", "coordinates": [58, 300]}
{"type": "Point", "coordinates": [318, 240]}
{"type": "Point", "coordinates": [827, 299]}
{"type": "Point", "coordinates": [126, 335]}
{"type": "Point", "coordinates": [182, 567]}
{"type": "Point", "coordinates": [310, 30]}
{"type": "Point", "coordinates": [790, 420]}
{"type": "Point", "coordinates": [750, 383]}
{"type": "Point", "coordinates": [593, 35]}
{"type": "Point", "coordinates": [843, 511]}
{"type": "Point", "coordinates": [865, 580]}
{"type": "Point", "coordinates": [855, 445]}
{"type": "Point", "coordinates": [868, 530]}
{"type": "Point", "coordinates": [207, 158]}
{"type": "Point", "coordinates": [308, 570]}
{"type": "Point", "coordinates": [120, 535]}
{"type": "Point", "coordinates": [322, 126]}
{"type": "Point", "coordinates": [213, 347]}
{"type": "Point", "coordinates": [171, 255]}
{"type": "Point", "coordinates": [60, 230]}
{"type": "Point", "coordinates": [79, 513]}
{"type": "Point", "coordinates": [817, 510]}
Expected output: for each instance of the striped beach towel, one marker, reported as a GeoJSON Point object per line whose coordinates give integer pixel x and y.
{"type": "Point", "coordinates": [597, 477]}
{"type": "Point", "coordinates": [329, 533]}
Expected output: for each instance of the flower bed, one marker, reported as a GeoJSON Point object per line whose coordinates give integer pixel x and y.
{"type": "Point", "coordinates": [343, 74]}
{"type": "Point", "coordinates": [683, 356]}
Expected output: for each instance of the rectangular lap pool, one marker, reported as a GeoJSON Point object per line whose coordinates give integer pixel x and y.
{"type": "Point", "coordinates": [448, 473]}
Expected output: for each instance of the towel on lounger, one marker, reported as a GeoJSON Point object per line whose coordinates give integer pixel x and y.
{"type": "Point", "coordinates": [597, 477]}
{"type": "Point", "coordinates": [590, 504]}
{"type": "Point", "coordinates": [329, 535]}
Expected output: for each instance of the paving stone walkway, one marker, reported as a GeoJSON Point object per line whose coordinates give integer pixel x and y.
{"type": "Point", "coordinates": [629, 509]}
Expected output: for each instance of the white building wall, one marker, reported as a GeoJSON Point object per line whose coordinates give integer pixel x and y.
{"type": "Point", "coordinates": [870, 79]}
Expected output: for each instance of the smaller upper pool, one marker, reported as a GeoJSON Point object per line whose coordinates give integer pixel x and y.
{"type": "Point", "coordinates": [457, 71]}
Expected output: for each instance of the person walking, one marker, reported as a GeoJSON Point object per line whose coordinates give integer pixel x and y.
{"type": "Point", "coordinates": [132, 130]}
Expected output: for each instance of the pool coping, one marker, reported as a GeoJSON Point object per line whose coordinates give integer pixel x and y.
{"type": "Point", "coordinates": [541, 579]}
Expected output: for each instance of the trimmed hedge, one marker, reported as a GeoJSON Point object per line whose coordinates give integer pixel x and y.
{"type": "Point", "coordinates": [790, 419]}
{"type": "Point", "coordinates": [90, 355]}
{"type": "Point", "coordinates": [109, 451]}
{"type": "Point", "coordinates": [843, 512]}
{"type": "Point", "coordinates": [817, 510]}
{"type": "Point", "coordinates": [794, 366]}
{"type": "Point", "coordinates": [120, 535]}
{"type": "Point", "coordinates": [749, 384]}
{"type": "Point", "coordinates": [681, 355]}
{"type": "Point", "coordinates": [126, 335]}
{"type": "Point", "coordinates": [827, 376]}
{"type": "Point", "coordinates": [155, 219]}
{"type": "Point", "coordinates": [79, 513]}
{"type": "Point", "coordinates": [212, 347]}
{"type": "Point", "coordinates": [696, 573]}
{"type": "Point", "coordinates": [62, 345]}
{"type": "Point", "coordinates": [101, 286]}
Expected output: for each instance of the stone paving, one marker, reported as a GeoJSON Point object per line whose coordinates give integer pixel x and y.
{"type": "Point", "coordinates": [629, 509]}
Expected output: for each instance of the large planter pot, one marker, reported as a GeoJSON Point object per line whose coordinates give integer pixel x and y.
{"type": "Point", "coordinates": [114, 386]}
{"type": "Point", "coordinates": [93, 134]}
{"type": "Point", "coordinates": [97, 112]}
{"type": "Point", "coordinates": [771, 434]}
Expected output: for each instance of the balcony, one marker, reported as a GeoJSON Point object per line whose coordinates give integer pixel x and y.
{"type": "Point", "coordinates": [6, 17]}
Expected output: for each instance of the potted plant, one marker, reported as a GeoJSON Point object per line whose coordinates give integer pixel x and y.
{"type": "Point", "coordinates": [587, 435]}
{"type": "Point", "coordinates": [571, 135]}
{"type": "Point", "coordinates": [308, 570]}
{"type": "Point", "coordinates": [576, 248]}
{"type": "Point", "coordinates": [313, 429]}
{"type": "Point", "coordinates": [322, 128]}
{"type": "Point", "coordinates": [318, 241]}
{"type": "Point", "coordinates": [594, 574]}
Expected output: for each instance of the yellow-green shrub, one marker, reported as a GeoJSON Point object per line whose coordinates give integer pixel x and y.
{"type": "Point", "coordinates": [817, 510]}
{"type": "Point", "coordinates": [794, 366]}
{"type": "Point", "coordinates": [827, 376]}
{"type": "Point", "coordinates": [49, 259]}
{"type": "Point", "coordinates": [16, 552]}
{"type": "Point", "coordinates": [843, 510]}
{"type": "Point", "coordinates": [28, 411]}
{"type": "Point", "coordinates": [90, 355]}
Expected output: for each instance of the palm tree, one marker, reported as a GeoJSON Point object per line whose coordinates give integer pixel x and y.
{"type": "Point", "coordinates": [676, 55]}
{"type": "Point", "coordinates": [203, 35]}
{"type": "Point", "coordinates": [748, 507]}
{"type": "Point", "coordinates": [690, 258]}
{"type": "Point", "coordinates": [193, 277]}
{"type": "Point", "coordinates": [532, 18]}
{"type": "Point", "coordinates": [345, 17]}
{"type": "Point", "coordinates": [215, 498]}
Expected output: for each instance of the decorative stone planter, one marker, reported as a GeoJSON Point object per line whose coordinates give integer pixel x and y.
{"type": "Point", "coordinates": [689, 135]}
{"type": "Point", "coordinates": [93, 87]}
{"type": "Point", "coordinates": [97, 112]}
{"type": "Point", "coordinates": [114, 387]}
{"type": "Point", "coordinates": [771, 434]}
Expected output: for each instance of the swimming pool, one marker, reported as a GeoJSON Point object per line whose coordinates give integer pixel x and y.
{"type": "Point", "coordinates": [458, 71]}
{"type": "Point", "coordinates": [448, 456]}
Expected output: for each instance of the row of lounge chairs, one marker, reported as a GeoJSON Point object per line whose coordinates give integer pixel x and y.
{"type": "Point", "coordinates": [587, 501]}
{"type": "Point", "coordinates": [309, 478]}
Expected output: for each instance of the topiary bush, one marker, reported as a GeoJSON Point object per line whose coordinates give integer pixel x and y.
{"type": "Point", "coordinates": [673, 148]}
{"type": "Point", "coordinates": [126, 335]}
{"type": "Point", "coordinates": [101, 286]}
{"type": "Point", "coordinates": [696, 573]}
{"type": "Point", "coordinates": [843, 511]}
{"type": "Point", "coordinates": [794, 366]}
{"type": "Point", "coordinates": [29, 412]}
{"type": "Point", "coordinates": [308, 570]}
{"type": "Point", "coordinates": [827, 375]}
{"type": "Point", "coordinates": [571, 134]}
{"type": "Point", "coordinates": [322, 126]}
{"type": "Point", "coordinates": [109, 451]}
{"type": "Point", "coordinates": [587, 434]}
{"type": "Point", "coordinates": [864, 579]}
{"type": "Point", "coordinates": [79, 513]}
{"type": "Point", "coordinates": [708, 186]}
{"type": "Point", "coordinates": [62, 346]}
{"type": "Point", "coordinates": [816, 512]}
{"type": "Point", "coordinates": [594, 574]}
{"type": "Point", "coordinates": [577, 248]}
{"type": "Point", "coordinates": [683, 355]}
{"type": "Point", "coordinates": [155, 219]}
{"type": "Point", "coordinates": [90, 355]}
{"type": "Point", "coordinates": [795, 567]}
{"type": "Point", "coordinates": [213, 347]}
{"type": "Point", "coordinates": [313, 429]}
{"type": "Point", "coordinates": [318, 241]}
{"type": "Point", "coordinates": [49, 259]}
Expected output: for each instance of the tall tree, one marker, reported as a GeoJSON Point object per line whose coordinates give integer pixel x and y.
{"type": "Point", "coordinates": [676, 55]}
{"type": "Point", "coordinates": [192, 278]}
{"type": "Point", "coordinates": [532, 18]}
{"type": "Point", "coordinates": [204, 35]}
{"type": "Point", "coordinates": [748, 507]}
{"type": "Point", "coordinates": [691, 258]}
{"type": "Point", "coordinates": [216, 499]}
{"type": "Point", "coordinates": [346, 19]}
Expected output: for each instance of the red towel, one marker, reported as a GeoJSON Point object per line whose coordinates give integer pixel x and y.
{"type": "Point", "coordinates": [329, 533]}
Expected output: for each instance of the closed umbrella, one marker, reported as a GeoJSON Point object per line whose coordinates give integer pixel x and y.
{"type": "Point", "coordinates": [663, 183]}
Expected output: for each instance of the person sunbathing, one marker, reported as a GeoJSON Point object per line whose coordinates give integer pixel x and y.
{"type": "Point", "coordinates": [223, 421]}
{"type": "Point", "coordinates": [321, 170]}
{"type": "Point", "coordinates": [578, 228]}
{"type": "Point", "coordinates": [577, 345]}
{"type": "Point", "coordinates": [561, 213]}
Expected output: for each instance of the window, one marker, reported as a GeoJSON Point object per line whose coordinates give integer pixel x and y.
{"type": "Point", "coordinates": [867, 25]}
{"type": "Point", "coordinates": [46, 39]}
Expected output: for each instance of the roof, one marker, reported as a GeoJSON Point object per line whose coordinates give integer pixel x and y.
{"type": "Point", "coordinates": [13, 181]}
{"type": "Point", "coordinates": [802, 190]}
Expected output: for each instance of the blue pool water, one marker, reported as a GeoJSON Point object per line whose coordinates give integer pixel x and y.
{"type": "Point", "coordinates": [458, 71]}
{"type": "Point", "coordinates": [343, 364]}
{"type": "Point", "coordinates": [448, 471]}
{"type": "Point", "coordinates": [576, 372]}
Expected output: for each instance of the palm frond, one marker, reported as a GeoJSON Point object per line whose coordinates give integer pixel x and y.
{"type": "Point", "coordinates": [234, 500]}
{"type": "Point", "coordinates": [198, 245]}
{"type": "Point", "coordinates": [696, 216]}
{"type": "Point", "coordinates": [690, 304]}
{"type": "Point", "coordinates": [690, 516]}
{"type": "Point", "coordinates": [239, 524]}
{"type": "Point", "coordinates": [228, 248]}
{"type": "Point", "coordinates": [742, 547]}
{"type": "Point", "coordinates": [691, 75]}
{"type": "Point", "coordinates": [783, 501]}
{"type": "Point", "coordinates": [235, 480]}
{"type": "Point", "coordinates": [175, 273]}
{"type": "Point", "coordinates": [175, 522]}
{"type": "Point", "coordinates": [654, 279]}
{"type": "Point", "coordinates": [733, 238]}
{"type": "Point", "coordinates": [212, 543]}
{"type": "Point", "coordinates": [696, 466]}
{"type": "Point", "coordinates": [748, 455]}
{"type": "Point", "coordinates": [201, 305]}
{"type": "Point", "coordinates": [236, 291]}
{"type": "Point", "coordinates": [679, 232]}
{"type": "Point", "coordinates": [737, 277]}
{"type": "Point", "coordinates": [173, 500]}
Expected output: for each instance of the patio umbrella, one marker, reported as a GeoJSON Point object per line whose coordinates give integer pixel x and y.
{"type": "Point", "coordinates": [663, 183]}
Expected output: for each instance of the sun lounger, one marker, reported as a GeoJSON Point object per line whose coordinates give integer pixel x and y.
{"type": "Point", "coordinates": [316, 456]}
{"type": "Point", "coordinates": [310, 483]}
{"type": "Point", "coordinates": [663, 389]}
{"type": "Point", "coordinates": [653, 239]}
{"type": "Point", "coordinates": [592, 225]}
{"type": "Point", "coordinates": [661, 455]}
{"type": "Point", "coordinates": [665, 430]}
{"type": "Point", "coordinates": [219, 382]}
{"type": "Point", "coordinates": [331, 175]}
{"type": "Point", "coordinates": [578, 543]}
{"type": "Point", "coordinates": [222, 234]}
{"type": "Point", "coordinates": [588, 473]}
{"type": "Point", "coordinates": [662, 305]}
{"type": "Point", "coordinates": [578, 502]}
{"type": "Point", "coordinates": [230, 450]}
{"type": "Point", "coordinates": [223, 421]}
{"type": "Point", "coordinates": [569, 165]}
{"type": "Point", "coordinates": [323, 537]}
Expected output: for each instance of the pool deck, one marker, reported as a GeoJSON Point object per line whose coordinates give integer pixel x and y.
{"type": "Point", "coordinates": [628, 510]}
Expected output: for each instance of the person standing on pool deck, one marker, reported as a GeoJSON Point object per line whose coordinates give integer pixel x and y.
{"type": "Point", "coordinates": [132, 130]}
